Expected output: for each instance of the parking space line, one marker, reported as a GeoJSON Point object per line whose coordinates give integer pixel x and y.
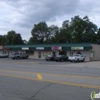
{"type": "Point", "coordinates": [39, 76]}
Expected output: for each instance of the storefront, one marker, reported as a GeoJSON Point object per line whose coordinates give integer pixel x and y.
{"type": "Point", "coordinates": [1, 48]}
{"type": "Point", "coordinates": [39, 51]}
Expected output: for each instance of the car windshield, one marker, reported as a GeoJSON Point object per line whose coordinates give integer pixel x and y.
{"type": "Point", "coordinates": [49, 55]}
{"type": "Point", "coordinates": [76, 55]}
{"type": "Point", "coordinates": [15, 53]}
{"type": "Point", "coordinates": [59, 55]}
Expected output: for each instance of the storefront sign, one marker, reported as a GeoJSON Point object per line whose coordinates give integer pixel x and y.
{"type": "Point", "coordinates": [56, 48]}
{"type": "Point", "coordinates": [39, 48]}
{"type": "Point", "coordinates": [60, 48]}
{"type": "Point", "coordinates": [25, 48]}
{"type": "Point", "coordinates": [6, 48]}
{"type": "Point", "coordinates": [46, 53]}
{"type": "Point", "coordinates": [77, 48]}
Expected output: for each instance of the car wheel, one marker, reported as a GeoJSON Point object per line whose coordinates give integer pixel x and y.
{"type": "Point", "coordinates": [17, 57]}
{"type": "Point", "coordinates": [26, 57]}
{"type": "Point", "coordinates": [46, 59]}
{"type": "Point", "coordinates": [83, 60]}
{"type": "Point", "coordinates": [77, 60]}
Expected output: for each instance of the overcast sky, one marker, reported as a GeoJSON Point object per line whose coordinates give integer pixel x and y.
{"type": "Point", "coordinates": [21, 15]}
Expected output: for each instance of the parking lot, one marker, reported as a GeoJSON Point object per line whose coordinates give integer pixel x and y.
{"type": "Point", "coordinates": [33, 79]}
{"type": "Point", "coordinates": [37, 61]}
{"type": "Point", "coordinates": [91, 64]}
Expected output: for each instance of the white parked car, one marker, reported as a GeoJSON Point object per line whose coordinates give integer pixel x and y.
{"type": "Point", "coordinates": [3, 55]}
{"type": "Point", "coordinates": [76, 58]}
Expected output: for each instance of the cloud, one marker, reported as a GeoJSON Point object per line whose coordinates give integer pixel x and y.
{"type": "Point", "coordinates": [21, 15]}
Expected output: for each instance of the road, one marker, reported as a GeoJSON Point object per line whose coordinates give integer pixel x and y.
{"type": "Point", "coordinates": [30, 79]}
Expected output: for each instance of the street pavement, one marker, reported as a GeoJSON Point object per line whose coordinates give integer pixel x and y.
{"type": "Point", "coordinates": [29, 79]}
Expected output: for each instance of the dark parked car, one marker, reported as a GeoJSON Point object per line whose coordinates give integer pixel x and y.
{"type": "Point", "coordinates": [50, 58]}
{"type": "Point", "coordinates": [61, 58]}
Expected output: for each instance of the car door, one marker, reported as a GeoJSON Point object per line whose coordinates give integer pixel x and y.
{"type": "Point", "coordinates": [81, 57]}
{"type": "Point", "coordinates": [20, 54]}
{"type": "Point", "coordinates": [64, 57]}
{"type": "Point", "coordinates": [39, 54]}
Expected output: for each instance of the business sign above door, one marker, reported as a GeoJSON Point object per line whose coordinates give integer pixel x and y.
{"type": "Point", "coordinates": [77, 48]}
{"type": "Point", "coordinates": [25, 48]}
{"type": "Point", "coordinates": [56, 48]}
{"type": "Point", "coordinates": [39, 48]}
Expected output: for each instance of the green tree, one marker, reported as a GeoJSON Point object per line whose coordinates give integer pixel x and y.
{"type": "Point", "coordinates": [39, 33]}
{"type": "Point", "coordinates": [25, 41]}
{"type": "Point", "coordinates": [3, 39]}
{"type": "Point", "coordinates": [52, 31]}
{"type": "Point", "coordinates": [65, 24]}
{"type": "Point", "coordinates": [33, 40]}
{"type": "Point", "coordinates": [83, 30]}
{"type": "Point", "coordinates": [76, 30]}
{"type": "Point", "coordinates": [18, 39]}
{"type": "Point", "coordinates": [13, 38]}
{"type": "Point", "coordinates": [64, 33]}
{"type": "Point", "coordinates": [98, 36]}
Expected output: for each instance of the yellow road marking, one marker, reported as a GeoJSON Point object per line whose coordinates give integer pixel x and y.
{"type": "Point", "coordinates": [70, 75]}
{"type": "Point", "coordinates": [50, 74]}
{"type": "Point", "coordinates": [54, 82]}
{"type": "Point", "coordinates": [39, 76]}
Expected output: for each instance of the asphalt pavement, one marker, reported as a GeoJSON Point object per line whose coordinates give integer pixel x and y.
{"type": "Point", "coordinates": [30, 79]}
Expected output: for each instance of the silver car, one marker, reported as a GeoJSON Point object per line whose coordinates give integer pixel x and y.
{"type": "Point", "coordinates": [3, 55]}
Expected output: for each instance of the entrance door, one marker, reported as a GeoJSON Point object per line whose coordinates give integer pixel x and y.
{"type": "Point", "coordinates": [39, 54]}
{"type": "Point", "coordinates": [63, 53]}
{"type": "Point", "coordinates": [71, 53]}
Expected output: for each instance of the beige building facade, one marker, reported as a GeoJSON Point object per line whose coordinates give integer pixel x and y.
{"type": "Point", "coordinates": [95, 52]}
{"type": "Point", "coordinates": [1, 48]}
{"type": "Point", "coordinates": [40, 54]}
{"type": "Point", "coordinates": [90, 51]}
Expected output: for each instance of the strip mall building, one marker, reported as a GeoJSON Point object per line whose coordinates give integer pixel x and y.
{"type": "Point", "coordinates": [39, 51]}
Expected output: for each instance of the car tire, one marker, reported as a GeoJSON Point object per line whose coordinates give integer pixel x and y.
{"type": "Point", "coordinates": [18, 57]}
{"type": "Point", "coordinates": [83, 60]}
{"type": "Point", "coordinates": [77, 60]}
{"type": "Point", "coordinates": [26, 57]}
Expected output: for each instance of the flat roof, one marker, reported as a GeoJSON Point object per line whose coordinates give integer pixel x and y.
{"type": "Point", "coordinates": [65, 46]}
